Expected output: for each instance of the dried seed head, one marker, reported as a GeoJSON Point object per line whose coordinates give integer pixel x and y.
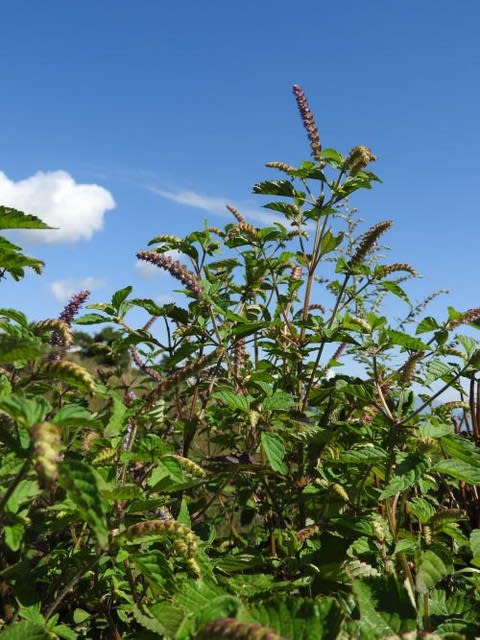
{"type": "Point", "coordinates": [46, 444]}
{"type": "Point", "coordinates": [296, 273]}
{"type": "Point", "coordinates": [386, 270]}
{"type": "Point", "coordinates": [229, 628]}
{"type": "Point", "coordinates": [339, 352]}
{"type": "Point", "coordinates": [282, 166]}
{"type": "Point", "coordinates": [70, 372]}
{"type": "Point", "coordinates": [358, 158]}
{"type": "Point", "coordinates": [89, 440]}
{"type": "Point", "coordinates": [408, 369]}
{"type": "Point", "coordinates": [242, 227]}
{"type": "Point", "coordinates": [166, 239]}
{"type": "Point", "coordinates": [362, 323]}
{"type": "Point", "coordinates": [191, 467]}
{"type": "Point", "coordinates": [308, 122]}
{"type": "Point", "coordinates": [175, 268]}
{"type": "Point", "coordinates": [318, 307]}
{"type": "Point", "coordinates": [61, 331]}
{"type": "Point", "coordinates": [472, 315]}
{"type": "Point", "coordinates": [235, 213]}
{"type": "Point", "coordinates": [239, 355]}
{"type": "Point", "coordinates": [368, 241]}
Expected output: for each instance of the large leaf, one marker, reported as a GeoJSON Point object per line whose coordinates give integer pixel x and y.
{"type": "Point", "coordinates": [460, 470]}
{"type": "Point", "coordinates": [14, 348]}
{"type": "Point", "coordinates": [435, 564]}
{"type": "Point", "coordinates": [410, 469]}
{"type": "Point", "coordinates": [385, 607]}
{"type": "Point", "coordinates": [274, 448]}
{"type": "Point", "coordinates": [280, 401]}
{"type": "Point", "coordinates": [14, 219]}
{"type": "Point", "coordinates": [25, 631]}
{"type": "Point", "coordinates": [80, 482]}
{"type": "Point", "coordinates": [300, 619]}
{"type": "Point", "coordinates": [233, 400]}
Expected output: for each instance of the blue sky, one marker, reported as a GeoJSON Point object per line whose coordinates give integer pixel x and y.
{"type": "Point", "coordinates": [112, 112]}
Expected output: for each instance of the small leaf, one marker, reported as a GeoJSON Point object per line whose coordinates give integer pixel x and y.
{"type": "Point", "coordinates": [437, 369]}
{"type": "Point", "coordinates": [275, 188]}
{"type": "Point", "coordinates": [275, 451]}
{"type": "Point", "coordinates": [25, 631]}
{"type": "Point", "coordinates": [394, 288]}
{"type": "Point", "coordinates": [120, 296]}
{"type": "Point", "coordinates": [426, 325]}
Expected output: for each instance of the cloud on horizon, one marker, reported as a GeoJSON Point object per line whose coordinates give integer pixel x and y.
{"type": "Point", "coordinates": [77, 210]}
{"type": "Point", "coordinates": [63, 290]}
{"type": "Point", "coordinates": [215, 205]}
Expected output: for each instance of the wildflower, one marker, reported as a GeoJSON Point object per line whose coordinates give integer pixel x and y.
{"type": "Point", "coordinates": [308, 122]}
{"type": "Point", "coordinates": [175, 268]}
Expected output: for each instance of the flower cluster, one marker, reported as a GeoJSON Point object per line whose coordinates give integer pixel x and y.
{"type": "Point", "coordinates": [308, 122]}
{"type": "Point", "coordinates": [67, 316]}
{"type": "Point", "coordinates": [175, 268]}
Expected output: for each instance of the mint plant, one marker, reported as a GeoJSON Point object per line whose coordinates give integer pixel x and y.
{"type": "Point", "coordinates": [277, 460]}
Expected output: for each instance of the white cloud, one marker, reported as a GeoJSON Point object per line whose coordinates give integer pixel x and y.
{"type": "Point", "coordinates": [147, 270]}
{"type": "Point", "coordinates": [216, 205]}
{"type": "Point", "coordinates": [63, 290]}
{"type": "Point", "coordinates": [77, 210]}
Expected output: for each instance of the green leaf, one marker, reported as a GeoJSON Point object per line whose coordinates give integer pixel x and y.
{"type": "Point", "coordinates": [404, 340]}
{"type": "Point", "coordinates": [14, 348]}
{"type": "Point", "coordinates": [275, 188]}
{"type": "Point", "coordinates": [409, 471]}
{"type": "Point", "coordinates": [367, 454]}
{"type": "Point", "coordinates": [25, 631]}
{"type": "Point", "coordinates": [460, 470]}
{"type": "Point", "coordinates": [435, 564]}
{"type": "Point", "coordinates": [25, 411]}
{"type": "Point", "coordinates": [92, 318]}
{"type": "Point", "coordinates": [385, 607]}
{"type": "Point", "coordinates": [15, 219]}
{"type": "Point", "coordinates": [80, 483]}
{"type": "Point", "coordinates": [426, 325]}
{"type": "Point", "coordinates": [394, 288]}
{"type": "Point", "coordinates": [280, 401]}
{"type": "Point", "coordinates": [330, 242]}
{"type": "Point", "coordinates": [233, 400]}
{"type": "Point", "coordinates": [275, 451]}
{"type": "Point", "coordinates": [437, 369]}
{"type": "Point", "coordinates": [296, 618]}
{"type": "Point", "coordinates": [73, 415]}
{"type": "Point", "coordinates": [120, 296]}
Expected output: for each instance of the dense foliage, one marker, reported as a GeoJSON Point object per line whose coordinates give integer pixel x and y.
{"type": "Point", "coordinates": [273, 458]}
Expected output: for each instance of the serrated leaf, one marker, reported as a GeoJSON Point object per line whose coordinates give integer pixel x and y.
{"type": "Point", "coordinates": [233, 400]}
{"type": "Point", "coordinates": [299, 619]}
{"type": "Point", "coordinates": [408, 472]}
{"type": "Point", "coordinates": [73, 415]}
{"type": "Point", "coordinates": [426, 325]}
{"type": "Point", "coordinates": [404, 340]}
{"type": "Point", "coordinates": [396, 289]}
{"type": "Point", "coordinates": [275, 188]}
{"type": "Point", "coordinates": [435, 564]}
{"type": "Point", "coordinates": [460, 470]}
{"type": "Point", "coordinates": [15, 219]}
{"type": "Point", "coordinates": [80, 483]}
{"type": "Point", "coordinates": [279, 401]}
{"type": "Point", "coordinates": [14, 348]}
{"type": "Point", "coordinates": [385, 607]}
{"type": "Point", "coordinates": [120, 296]}
{"type": "Point", "coordinates": [437, 369]}
{"type": "Point", "coordinates": [25, 411]}
{"type": "Point", "coordinates": [92, 318]}
{"type": "Point", "coordinates": [475, 542]}
{"type": "Point", "coordinates": [25, 631]}
{"type": "Point", "coordinates": [364, 455]}
{"type": "Point", "coordinates": [274, 448]}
